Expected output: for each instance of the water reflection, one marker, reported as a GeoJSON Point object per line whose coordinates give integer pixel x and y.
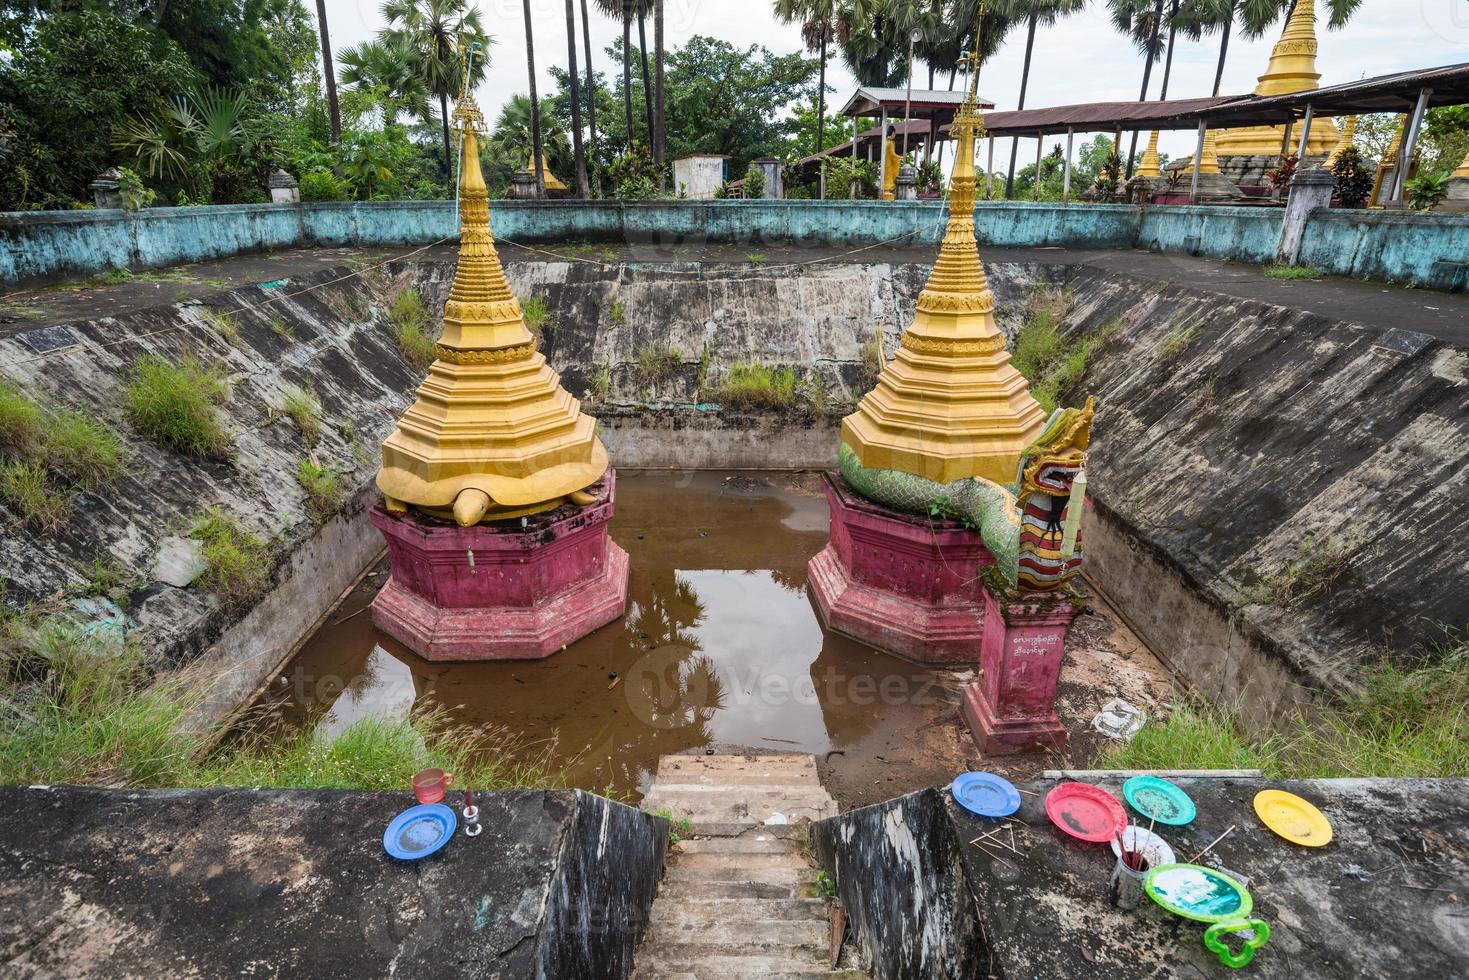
{"type": "Point", "coordinates": [720, 645]}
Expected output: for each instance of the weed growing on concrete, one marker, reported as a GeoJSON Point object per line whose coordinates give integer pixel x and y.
{"type": "Point", "coordinates": [115, 276]}
{"type": "Point", "coordinates": [755, 386]}
{"type": "Point", "coordinates": [174, 405]}
{"type": "Point", "coordinates": [83, 449]}
{"type": "Point", "coordinates": [657, 364]}
{"type": "Point", "coordinates": [874, 358]}
{"type": "Point", "coordinates": [825, 887]}
{"type": "Point", "coordinates": [20, 420]}
{"type": "Point", "coordinates": [1179, 341]}
{"type": "Point", "coordinates": [1316, 566]}
{"type": "Point", "coordinates": [325, 489]}
{"type": "Point", "coordinates": [617, 313]}
{"type": "Point", "coordinates": [677, 829]}
{"type": "Point", "coordinates": [1292, 272]}
{"type": "Point", "coordinates": [303, 408]}
{"type": "Point", "coordinates": [1402, 721]}
{"type": "Point", "coordinates": [24, 488]}
{"type": "Point", "coordinates": [608, 255]}
{"type": "Point", "coordinates": [409, 318]}
{"type": "Point", "coordinates": [1053, 361]}
{"type": "Point", "coordinates": [282, 329]}
{"type": "Point", "coordinates": [238, 563]}
{"type": "Point", "coordinates": [756, 259]}
{"type": "Point", "coordinates": [533, 308]}
{"type": "Point", "coordinates": [223, 325]}
{"type": "Point", "coordinates": [108, 578]}
{"type": "Point", "coordinates": [601, 383]}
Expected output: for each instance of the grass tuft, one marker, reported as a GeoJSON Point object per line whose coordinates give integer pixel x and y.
{"type": "Point", "coordinates": [1316, 567]}
{"type": "Point", "coordinates": [533, 308]}
{"type": "Point", "coordinates": [303, 408]}
{"type": "Point", "coordinates": [325, 489]}
{"type": "Point", "coordinates": [238, 563]}
{"type": "Point", "coordinates": [1051, 360]}
{"type": "Point", "coordinates": [1292, 272]}
{"type": "Point", "coordinates": [23, 486]}
{"type": "Point", "coordinates": [409, 318]}
{"type": "Point", "coordinates": [20, 420]}
{"type": "Point", "coordinates": [617, 313]}
{"type": "Point", "coordinates": [83, 449]}
{"type": "Point", "coordinates": [174, 405]}
{"type": "Point", "coordinates": [657, 364]}
{"type": "Point", "coordinates": [755, 386]}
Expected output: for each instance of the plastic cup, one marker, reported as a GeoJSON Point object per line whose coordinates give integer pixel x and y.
{"type": "Point", "coordinates": [431, 784]}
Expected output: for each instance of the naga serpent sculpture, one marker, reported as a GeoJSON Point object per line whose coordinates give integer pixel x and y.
{"type": "Point", "coordinates": [1021, 523]}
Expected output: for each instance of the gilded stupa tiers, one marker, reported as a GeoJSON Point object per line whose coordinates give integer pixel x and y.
{"type": "Point", "coordinates": [1292, 69]}
{"type": "Point", "coordinates": [950, 405]}
{"type": "Point", "coordinates": [1151, 164]}
{"type": "Point", "coordinates": [493, 434]}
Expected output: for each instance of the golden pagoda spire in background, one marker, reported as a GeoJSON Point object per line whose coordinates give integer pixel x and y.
{"type": "Point", "coordinates": [950, 405]}
{"type": "Point", "coordinates": [1151, 164]}
{"type": "Point", "coordinates": [1292, 69]}
{"type": "Point", "coordinates": [1348, 138]}
{"type": "Point", "coordinates": [493, 435]}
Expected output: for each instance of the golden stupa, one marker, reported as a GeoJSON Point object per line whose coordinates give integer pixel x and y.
{"type": "Point", "coordinates": [1292, 69]}
{"type": "Point", "coordinates": [1151, 164]}
{"type": "Point", "coordinates": [553, 183]}
{"type": "Point", "coordinates": [1463, 170]}
{"type": "Point", "coordinates": [1348, 139]}
{"type": "Point", "coordinates": [949, 404]}
{"type": "Point", "coordinates": [1209, 159]}
{"type": "Point", "coordinates": [493, 434]}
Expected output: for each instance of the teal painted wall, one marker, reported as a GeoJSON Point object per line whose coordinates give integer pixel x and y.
{"type": "Point", "coordinates": [1429, 250]}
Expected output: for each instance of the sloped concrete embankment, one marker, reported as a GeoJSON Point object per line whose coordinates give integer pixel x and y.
{"type": "Point", "coordinates": [107, 883]}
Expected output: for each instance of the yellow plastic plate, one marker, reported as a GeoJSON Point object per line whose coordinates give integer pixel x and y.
{"type": "Point", "coordinates": [1292, 818]}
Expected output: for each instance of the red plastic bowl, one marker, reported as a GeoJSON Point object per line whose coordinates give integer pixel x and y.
{"type": "Point", "coordinates": [1086, 812]}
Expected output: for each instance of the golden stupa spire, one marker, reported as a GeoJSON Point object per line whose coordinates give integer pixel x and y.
{"type": "Point", "coordinates": [1209, 159]}
{"type": "Point", "coordinates": [1292, 69]}
{"type": "Point", "coordinates": [1463, 170]}
{"type": "Point", "coordinates": [493, 435]}
{"type": "Point", "coordinates": [949, 404]}
{"type": "Point", "coordinates": [1151, 164]}
{"type": "Point", "coordinates": [1348, 138]}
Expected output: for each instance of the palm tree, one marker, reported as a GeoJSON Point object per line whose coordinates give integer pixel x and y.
{"type": "Point", "coordinates": [642, 11]}
{"type": "Point", "coordinates": [624, 10]}
{"type": "Point", "coordinates": [1035, 13]}
{"type": "Point", "coordinates": [538, 159]}
{"type": "Point", "coordinates": [1142, 21]}
{"type": "Point", "coordinates": [438, 31]}
{"type": "Point", "coordinates": [817, 20]}
{"type": "Point", "coordinates": [658, 139]}
{"type": "Point", "coordinates": [575, 80]}
{"type": "Point", "coordinates": [513, 138]}
{"type": "Point", "coordinates": [1200, 17]}
{"type": "Point", "coordinates": [328, 71]}
{"type": "Point", "coordinates": [386, 75]}
{"type": "Point", "coordinates": [586, 33]}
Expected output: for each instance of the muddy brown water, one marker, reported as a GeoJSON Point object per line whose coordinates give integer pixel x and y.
{"type": "Point", "coordinates": [720, 648]}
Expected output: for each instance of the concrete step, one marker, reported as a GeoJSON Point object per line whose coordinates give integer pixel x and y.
{"type": "Point", "coordinates": [723, 804]}
{"type": "Point", "coordinates": [770, 876]}
{"type": "Point", "coordinates": [702, 962]}
{"type": "Point", "coordinates": [769, 936]}
{"type": "Point", "coordinates": [684, 889]}
{"type": "Point", "coordinates": [743, 859]}
{"type": "Point", "coordinates": [748, 910]}
{"type": "Point", "coordinates": [748, 843]}
{"type": "Point", "coordinates": [714, 974]}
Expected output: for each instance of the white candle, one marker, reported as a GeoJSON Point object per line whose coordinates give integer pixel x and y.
{"type": "Point", "coordinates": [1074, 507]}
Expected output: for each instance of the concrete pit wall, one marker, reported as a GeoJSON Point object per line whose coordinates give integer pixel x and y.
{"type": "Point", "coordinates": [1424, 250]}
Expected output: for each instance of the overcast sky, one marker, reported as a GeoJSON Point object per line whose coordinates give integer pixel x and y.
{"type": "Point", "coordinates": [1079, 60]}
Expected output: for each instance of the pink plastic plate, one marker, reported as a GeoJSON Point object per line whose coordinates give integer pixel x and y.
{"type": "Point", "coordinates": [1086, 812]}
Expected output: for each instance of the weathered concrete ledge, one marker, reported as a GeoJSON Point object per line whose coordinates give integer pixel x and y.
{"type": "Point", "coordinates": [107, 883]}
{"type": "Point", "coordinates": [695, 439]}
{"type": "Point", "coordinates": [1426, 250]}
{"type": "Point", "coordinates": [1384, 899]}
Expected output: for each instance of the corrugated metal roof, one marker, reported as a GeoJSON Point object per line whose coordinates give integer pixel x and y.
{"type": "Point", "coordinates": [868, 101]}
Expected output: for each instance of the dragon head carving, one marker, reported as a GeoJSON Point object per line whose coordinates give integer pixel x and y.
{"type": "Point", "coordinates": [1045, 478]}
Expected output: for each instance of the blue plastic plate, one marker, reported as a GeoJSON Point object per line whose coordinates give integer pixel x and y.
{"type": "Point", "coordinates": [986, 794]}
{"type": "Point", "coordinates": [1158, 799]}
{"type": "Point", "coordinates": [419, 831]}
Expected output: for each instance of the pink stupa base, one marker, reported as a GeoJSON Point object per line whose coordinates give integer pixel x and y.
{"type": "Point", "coordinates": [903, 584]}
{"type": "Point", "coordinates": [1011, 707]}
{"type": "Point", "coordinates": [505, 591]}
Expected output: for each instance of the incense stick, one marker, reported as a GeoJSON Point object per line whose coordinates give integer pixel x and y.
{"type": "Point", "coordinates": [1195, 858]}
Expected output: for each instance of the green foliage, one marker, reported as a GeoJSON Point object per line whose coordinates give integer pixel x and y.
{"type": "Point", "coordinates": [1294, 272]}
{"type": "Point", "coordinates": [409, 318]}
{"type": "Point", "coordinates": [20, 420]}
{"type": "Point", "coordinates": [108, 578]}
{"type": "Point", "coordinates": [24, 488]}
{"type": "Point", "coordinates": [326, 491]}
{"type": "Point", "coordinates": [323, 185]}
{"type": "Point", "coordinates": [1428, 190]}
{"type": "Point", "coordinates": [754, 183]}
{"type": "Point", "coordinates": [634, 175]}
{"type": "Point", "coordinates": [756, 259]}
{"type": "Point", "coordinates": [1315, 567]}
{"type": "Point", "coordinates": [1050, 358]}
{"type": "Point", "coordinates": [657, 364]}
{"type": "Point", "coordinates": [677, 829]}
{"type": "Point", "coordinates": [1354, 178]}
{"type": "Point", "coordinates": [825, 886]}
{"type": "Point", "coordinates": [533, 308]}
{"type": "Point", "coordinates": [135, 196]}
{"type": "Point", "coordinates": [874, 358]}
{"type": "Point", "coordinates": [1404, 720]}
{"type": "Point", "coordinates": [600, 384]}
{"type": "Point", "coordinates": [83, 449]}
{"type": "Point", "coordinates": [237, 563]}
{"type": "Point", "coordinates": [843, 171]}
{"type": "Point", "coordinates": [174, 405]}
{"type": "Point", "coordinates": [303, 408]}
{"type": "Point", "coordinates": [282, 329]}
{"type": "Point", "coordinates": [617, 313]}
{"type": "Point", "coordinates": [754, 387]}
{"type": "Point", "coordinates": [1178, 341]}
{"type": "Point", "coordinates": [190, 139]}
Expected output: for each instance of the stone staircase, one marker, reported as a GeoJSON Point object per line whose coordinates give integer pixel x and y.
{"type": "Point", "coordinates": [739, 898]}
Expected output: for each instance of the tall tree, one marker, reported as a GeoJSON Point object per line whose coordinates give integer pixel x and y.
{"type": "Point", "coordinates": [538, 162]}
{"type": "Point", "coordinates": [577, 148]}
{"type": "Point", "coordinates": [1035, 14]}
{"type": "Point", "coordinates": [623, 9]}
{"type": "Point", "coordinates": [1142, 21]}
{"type": "Point", "coordinates": [659, 147]}
{"type": "Point", "coordinates": [439, 31]}
{"type": "Point", "coordinates": [384, 75]}
{"type": "Point", "coordinates": [328, 71]}
{"type": "Point", "coordinates": [586, 33]}
{"type": "Point", "coordinates": [817, 20]}
{"type": "Point", "coordinates": [642, 11]}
